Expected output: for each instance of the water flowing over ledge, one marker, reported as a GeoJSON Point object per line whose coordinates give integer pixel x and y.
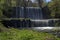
{"type": "Point", "coordinates": [48, 28]}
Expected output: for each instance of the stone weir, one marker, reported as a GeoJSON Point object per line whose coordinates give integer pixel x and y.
{"type": "Point", "coordinates": [28, 23]}
{"type": "Point", "coordinates": [26, 17]}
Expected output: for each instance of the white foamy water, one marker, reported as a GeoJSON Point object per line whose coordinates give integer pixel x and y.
{"type": "Point", "coordinates": [43, 28]}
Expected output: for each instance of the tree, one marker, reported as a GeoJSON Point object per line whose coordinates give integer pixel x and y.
{"type": "Point", "coordinates": [54, 6]}
{"type": "Point", "coordinates": [40, 2]}
{"type": "Point", "coordinates": [1, 7]}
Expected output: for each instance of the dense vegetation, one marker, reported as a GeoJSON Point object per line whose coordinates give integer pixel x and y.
{"type": "Point", "coordinates": [54, 6]}
{"type": "Point", "coordinates": [24, 34]}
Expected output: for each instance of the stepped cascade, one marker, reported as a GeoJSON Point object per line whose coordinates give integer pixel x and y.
{"type": "Point", "coordinates": [28, 17]}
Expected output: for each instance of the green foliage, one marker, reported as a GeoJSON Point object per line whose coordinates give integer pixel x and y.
{"type": "Point", "coordinates": [24, 34]}
{"type": "Point", "coordinates": [54, 6]}
{"type": "Point", "coordinates": [57, 24]}
{"type": "Point", "coordinates": [1, 7]}
{"type": "Point", "coordinates": [2, 28]}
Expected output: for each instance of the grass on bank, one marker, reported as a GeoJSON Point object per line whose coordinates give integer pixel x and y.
{"type": "Point", "coordinates": [24, 34]}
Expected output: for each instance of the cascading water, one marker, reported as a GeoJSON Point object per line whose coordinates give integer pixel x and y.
{"type": "Point", "coordinates": [44, 22]}
{"type": "Point", "coordinates": [34, 18]}
{"type": "Point", "coordinates": [40, 23]}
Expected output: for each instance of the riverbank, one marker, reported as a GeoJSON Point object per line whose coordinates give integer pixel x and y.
{"type": "Point", "coordinates": [24, 34]}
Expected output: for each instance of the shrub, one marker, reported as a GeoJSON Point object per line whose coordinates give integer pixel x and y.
{"type": "Point", "coordinates": [24, 34]}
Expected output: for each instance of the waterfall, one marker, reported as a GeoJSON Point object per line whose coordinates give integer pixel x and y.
{"type": "Point", "coordinates": [40, 23]}
{"type": "Point", "coordinates": [34, 18]}
{"type": "Point", "coordinates": [44, 22]}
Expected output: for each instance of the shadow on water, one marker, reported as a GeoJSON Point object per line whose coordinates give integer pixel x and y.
{"type": "Point", "coordinates": [17, 23]}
